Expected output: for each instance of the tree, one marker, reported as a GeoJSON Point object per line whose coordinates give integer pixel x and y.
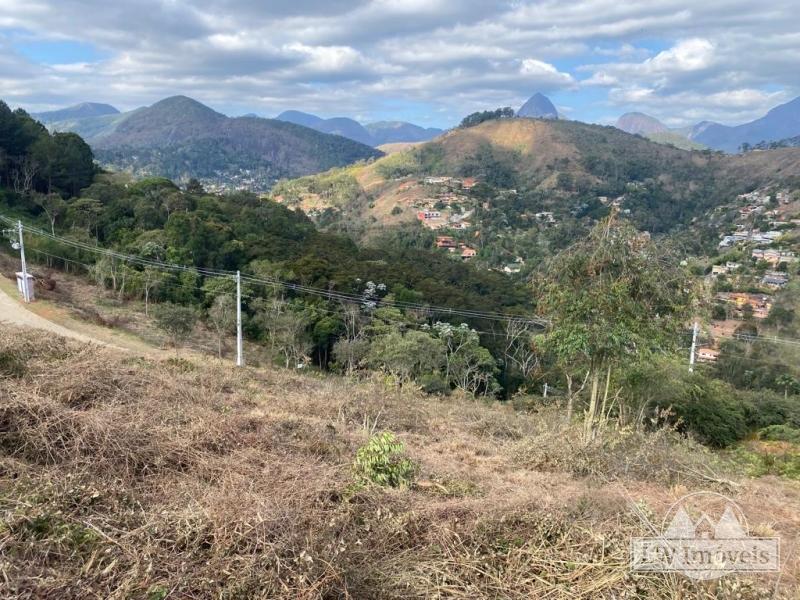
{"type": "Point", "coordinates": [286, 329]}
{"type": "Point", "coordinates": [195, 187]}
{"type": "Point", "coordinates": [518, 347]}
{"type": "Point", "coordinates": [86, 212]}
{"type": "Point", "coordinates": [151, 279]}
{"type": "Point", "coordinates": [477, 118]}
{"type": "Point", "coordinates": [468, 365]}
{"type": "Point", "coordinates": [406, 356]}
{"type": "Point", "coordinates": [612, 296]}
{"type": "Point", "coordinates": [176, 321]}
{"type": "Point", "coordinates": [222, 315]}
{"type": "Point", "coordinates": [53, 205]}
{"type": "Point", "coordinates": [787, 382]}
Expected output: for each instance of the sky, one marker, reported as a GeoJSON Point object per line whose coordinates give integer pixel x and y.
{"type": "Point", "coordinates": [426, 61]}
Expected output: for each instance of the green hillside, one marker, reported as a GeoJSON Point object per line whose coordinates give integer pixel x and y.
{"type": "Point", "coordinates": [181, 138]}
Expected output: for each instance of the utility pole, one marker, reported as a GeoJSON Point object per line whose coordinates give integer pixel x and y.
{"type": "Point", "coordinates": [25, 290]}
{"type": "Point", "coordinates": [694, 345]}
{"type": "Point", "coordinates": [239, 354]}
{"type": "Point", "coordinates": [545, 390]}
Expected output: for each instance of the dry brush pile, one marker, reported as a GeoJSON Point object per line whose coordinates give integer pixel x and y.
{"type": "Point", "coordinates": [122, 477]}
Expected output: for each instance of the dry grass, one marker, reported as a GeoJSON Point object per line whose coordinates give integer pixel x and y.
{"type": "Point", "coordinates": [123, 477]}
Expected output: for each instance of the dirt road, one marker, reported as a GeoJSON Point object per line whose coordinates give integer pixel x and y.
{"type": "Point", "coordinates": [11, 311]}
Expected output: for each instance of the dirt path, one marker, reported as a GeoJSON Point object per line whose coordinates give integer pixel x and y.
{"type": "Point", "coordinates": [11, 311]}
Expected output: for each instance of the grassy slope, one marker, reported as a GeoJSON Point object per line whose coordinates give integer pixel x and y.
{"type": "Point", "coordinates": [132, 477]}
{"type": "Point", "coordinates": [675, 139]}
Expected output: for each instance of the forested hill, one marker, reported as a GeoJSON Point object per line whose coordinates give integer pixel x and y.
{"type": "Point", "coordinates": [524, 167]}
{"type": "Point", "coordinates": [181, 138]}
{"type": "Point", "coordinates": [154, 220]}
{"type": "Point", "coordinates": [33, 160]}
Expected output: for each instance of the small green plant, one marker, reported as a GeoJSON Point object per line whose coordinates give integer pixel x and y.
{"type": "Point", "coordinates": [11, 364]}
{"type": "Point", "coordinates": [157, 592]}
{"type": "Point", "coordinates": [381, 461]}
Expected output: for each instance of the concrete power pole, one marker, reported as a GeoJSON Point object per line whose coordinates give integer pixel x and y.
{"type": "Point", "coordinates": [239, 353]}
{"type": "Point", "coordinates": [25, 291]}
{"type": "Point", "coordinates": [694, 346]}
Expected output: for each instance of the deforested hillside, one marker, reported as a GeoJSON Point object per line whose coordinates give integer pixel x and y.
{"type": "Point", "coordinates": [122, 476]}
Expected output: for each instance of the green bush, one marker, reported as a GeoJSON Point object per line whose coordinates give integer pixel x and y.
{"type": "Point", "coordinates": [434, 383]}
{"type": "Point", "coordinates": [766, 408]}
{"type": "Point", "coordinates": [381, 461]}
{"type": "Point", "coordinates": [713, 412]}
{"type": "Point", "coordinates": [11, 364]}
{"type": "Point", "coordinates": [780, 433]}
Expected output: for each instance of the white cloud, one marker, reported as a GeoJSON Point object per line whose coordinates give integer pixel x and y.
{"type": "Point", "coordinates": [440, 57]}
{"type": "Point", "coordinates": [687, 55]}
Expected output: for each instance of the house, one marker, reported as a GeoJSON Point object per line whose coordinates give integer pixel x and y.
{"type": "Point", "coordinates": [468, 253]}
{"type": "Point", "coordinates": [750, 210]}
{"type": "Point", "coordinates": [437, 180]}
{"type": "Point", "coordinates": [707, 355]}
{"type": "Point", "coordinates": [546, 217]}
{"type": "Point", "coordinates": [445, 241]}
{"type": "Point", "coordinates": [428, 214]}
{"type": "Point", "coordinates": [468, 183]}
{"type": "Point", "coordinates": [725, 269]}
{"type": "Point", "coordinates": [718, 270]}
{"type": "Point", "coordinates": [760, 304]}
{"type": "Point", "coordinates": [774, 279]}
{"type": "Point", "coordinates": [773, 256]}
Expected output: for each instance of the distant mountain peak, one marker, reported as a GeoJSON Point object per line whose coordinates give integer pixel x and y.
{"type": "Point", "coordinates": [300, 118]}
{"type": "Point", "coordinates": [82, 110]}
{"type": "Point", "coordinates": [373, 134]}
{"type": "Point", "coordinates": [640, 123]}
{"type": "Point", "coordinates": [184, 103]}
{"type": "Point", "coordinates": [538, 106]}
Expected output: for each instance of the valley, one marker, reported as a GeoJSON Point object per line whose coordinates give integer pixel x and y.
{"type": "Point", "coordinates": [457, 289]}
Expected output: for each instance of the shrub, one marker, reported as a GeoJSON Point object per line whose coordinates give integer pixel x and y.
{"type": "Point", "coordinates": [713, 412]}
{"type": "Point", "coordinates": [11, 364]}
{"type": "Point", "coordinates": [765, 408]}
{"type": "Point", "coordinates": [176, 321]}
{"type": "Point", "coordinates": [434, 383]}
{"type": "Point", "coordinates": [381, 461]}
{"type": "Point", "coordinates": [780, 433]}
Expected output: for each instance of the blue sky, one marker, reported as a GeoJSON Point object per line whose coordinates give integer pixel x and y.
{"type": "Point", "coordinates": [427, 61]}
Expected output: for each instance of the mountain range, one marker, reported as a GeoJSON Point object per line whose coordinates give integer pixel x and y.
{"type": "Point", "coordinates": [372, 134]}
{"type": "Point", "coordinates": [780, 123]}
{"type": "Point", "coordinates": [180, 138]}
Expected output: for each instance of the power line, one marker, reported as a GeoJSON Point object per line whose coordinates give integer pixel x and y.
{"type": "Point", "coordinates": [746, 337]}
{"type": "Point", "coordinates": [329, 294]}
{"type": "Point", "coordinates": [173, 285]}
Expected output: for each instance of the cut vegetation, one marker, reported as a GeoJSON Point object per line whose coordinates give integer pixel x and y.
{"type": "Point", "coordinates": [136, 478]}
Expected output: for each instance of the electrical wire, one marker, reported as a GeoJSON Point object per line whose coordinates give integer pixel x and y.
{"type": "Point", "coordinates": [328, 294]}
